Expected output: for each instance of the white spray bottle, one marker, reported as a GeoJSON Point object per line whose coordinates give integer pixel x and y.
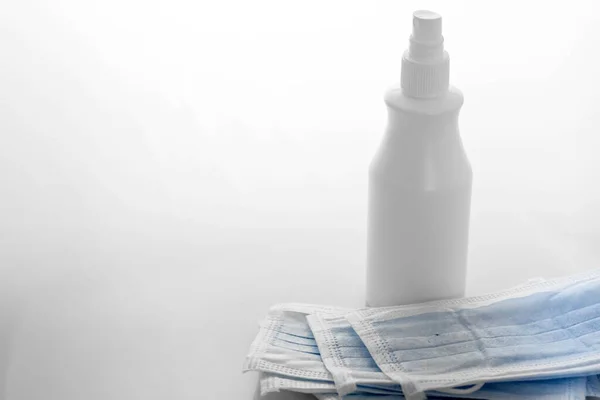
{"type": "Point", "coordinates": [419, 182]}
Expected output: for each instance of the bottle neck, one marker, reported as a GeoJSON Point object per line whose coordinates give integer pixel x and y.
{"type": "Point", "coordinates": [425, 80]}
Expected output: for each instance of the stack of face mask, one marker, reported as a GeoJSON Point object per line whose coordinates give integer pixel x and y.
{"type": "Point", "coordinates": [540, 340]}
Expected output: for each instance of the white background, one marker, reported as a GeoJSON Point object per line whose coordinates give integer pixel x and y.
{"type": "Point", "coordinates": [169, 169]}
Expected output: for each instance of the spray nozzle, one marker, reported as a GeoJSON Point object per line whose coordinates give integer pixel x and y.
{"type": "Point", "coordinates": [427, 27]}
{"type": "Point", "coordinates": [426, 41]}
{"type": "Point", "coordinates": [425, 66]}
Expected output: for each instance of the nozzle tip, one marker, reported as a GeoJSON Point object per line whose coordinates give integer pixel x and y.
{"type": "Point", "coordinates": [427, 26]}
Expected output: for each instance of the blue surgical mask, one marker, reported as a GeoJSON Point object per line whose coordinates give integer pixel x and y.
{"type": "Point", "coordinates": [539, 331]}
{"type": "Point", "coordinates": [274, 354]}
{"type": "Point", "coordinates": [285, 345]}
{"type": "Point", "coordinates": [286, 352]}
{"type": "Point", "coordinates": [337, 340]}
{"type": "Point", "coordinates": [345, 355]}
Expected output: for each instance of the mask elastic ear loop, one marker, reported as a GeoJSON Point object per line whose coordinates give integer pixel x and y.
{"type": "Point", "coordinates": [472, 389]}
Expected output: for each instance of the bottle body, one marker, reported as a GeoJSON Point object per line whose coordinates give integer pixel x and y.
{"type": "Point", "coordinates": [419, 203]}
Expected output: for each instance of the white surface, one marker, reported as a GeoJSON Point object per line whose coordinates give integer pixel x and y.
{"type": "Point", "coordinates": [169, 170]}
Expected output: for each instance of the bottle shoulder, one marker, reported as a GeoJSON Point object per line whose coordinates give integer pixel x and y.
{"type": "Point", "coordinates": [396, 99]}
